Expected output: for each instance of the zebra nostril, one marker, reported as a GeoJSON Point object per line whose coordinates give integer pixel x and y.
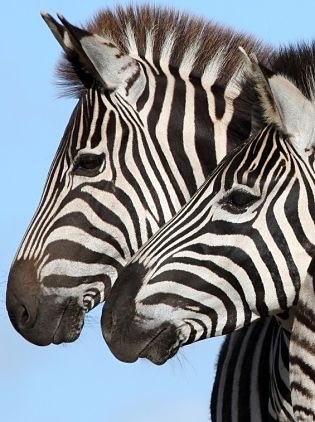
{"type": "Point", "coordinates": [23, 317]}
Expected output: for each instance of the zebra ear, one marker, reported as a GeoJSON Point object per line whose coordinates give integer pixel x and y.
{"type": "Point", "coordinates": [301, 350]}
{"type": "Point", "coordinates": [283, 104]}
{"type": "Point", "coordinates": [99, 56]}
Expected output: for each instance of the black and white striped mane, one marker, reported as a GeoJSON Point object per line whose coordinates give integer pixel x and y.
{"type": "Point", "coordinates": [152, 32]}
{"type": "Point", "coordinates": [297, 63]}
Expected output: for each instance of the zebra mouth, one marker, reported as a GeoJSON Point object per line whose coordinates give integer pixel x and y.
{"type": "Point", "coordinates": [162, 346]}
{"type": "Point", "coordinates": [70, 324]}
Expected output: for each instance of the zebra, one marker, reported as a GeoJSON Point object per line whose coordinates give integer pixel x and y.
{"type": "Point", "coordinates": [160, 102]}
{"type": "Point", "coordinates": [240, 250]}
{"type": "Point", "coordinates": [216, 67]}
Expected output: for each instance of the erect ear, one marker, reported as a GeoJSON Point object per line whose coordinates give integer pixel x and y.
{"type": "Point", "coordinates": [99, 56]}
{"type": "Point", "coordinates": [301, 351]}
{"type": "Point", "coordinates": [283, 104]}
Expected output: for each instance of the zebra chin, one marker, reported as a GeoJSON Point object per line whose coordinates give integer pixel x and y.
{"type": "Point", "coordinates": [157, 345]}
{"type": "Point", "coordinates": [162, 347]}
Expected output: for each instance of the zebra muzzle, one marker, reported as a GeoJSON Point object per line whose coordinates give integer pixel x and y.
{"type": "Point", "coordinates": [39, 318]}
{"type": "Point", "coordinates": [129, 335]}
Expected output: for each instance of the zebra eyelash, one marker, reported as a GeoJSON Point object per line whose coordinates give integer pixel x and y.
{"type": "Point", "coordinates": [88, 164]}
{"type": "Point", "coordinates": [238, 200]}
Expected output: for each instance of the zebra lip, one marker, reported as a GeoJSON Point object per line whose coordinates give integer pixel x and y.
{"type": "Point", "coordinates": [161, 347]}
{"type": "Point", "coordinates": [70, 324]}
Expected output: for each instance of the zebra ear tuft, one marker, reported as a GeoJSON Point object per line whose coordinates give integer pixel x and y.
{"type": "Point", "coordinates": [99, 56]}
{"type": "Point", "coordinates": [283, 104]}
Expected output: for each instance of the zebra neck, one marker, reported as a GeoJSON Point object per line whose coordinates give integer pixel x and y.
{"type": "Point", "coordinates": [252, 380]}
{"type": "Point", "coordinates": [279, 405]}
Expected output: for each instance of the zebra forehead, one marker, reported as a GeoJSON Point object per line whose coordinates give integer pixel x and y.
{"type": "Point", "coordinates": [155, 33]}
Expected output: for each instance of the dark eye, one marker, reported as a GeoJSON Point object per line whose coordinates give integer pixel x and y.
{"type": "Point", "coordinates": [238, 200]}
{"type": "Point", "coordinates": [88, 164]}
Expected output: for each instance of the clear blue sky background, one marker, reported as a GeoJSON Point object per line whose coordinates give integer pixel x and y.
{"type": "Point", "coordinates": [82, 381]}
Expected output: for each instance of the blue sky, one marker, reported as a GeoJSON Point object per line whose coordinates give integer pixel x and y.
{"type": "Point", "coordinates": [82, 381]}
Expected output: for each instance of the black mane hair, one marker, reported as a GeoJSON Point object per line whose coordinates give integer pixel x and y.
{"type": "Point", "coordinates": [297, 63]}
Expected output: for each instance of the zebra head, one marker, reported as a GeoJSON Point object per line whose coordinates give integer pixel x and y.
{"type": "Point", "coordinates": [60, 271]}
{"type": "Point", "coordinates": [133, 153]}
{"type": "Point", "coordinates": [240, 248]}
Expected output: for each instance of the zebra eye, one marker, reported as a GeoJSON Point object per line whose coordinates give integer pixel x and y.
{"type": "Point", "coordinates": [238, 200]}
{"type": "Point", "coordinates": [88, 164]}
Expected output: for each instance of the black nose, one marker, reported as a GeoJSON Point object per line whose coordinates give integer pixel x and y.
{"type": "Point", "coordinates": [119, 312]}
{"type": "Point", "coordinates": [22, 295]}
